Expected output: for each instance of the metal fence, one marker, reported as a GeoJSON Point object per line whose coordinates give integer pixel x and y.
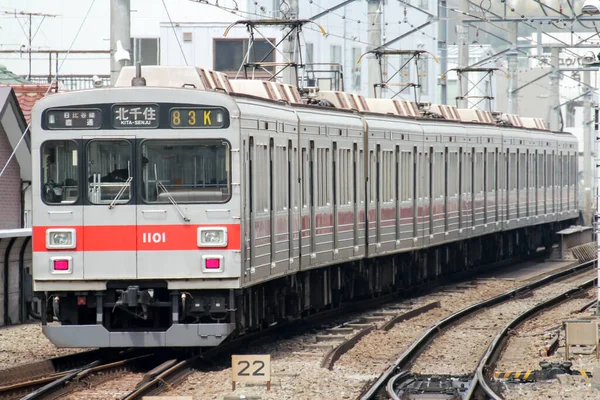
{"type": "Point", "coordinates": [70, 82]}
{"type": "Point", "coordinates": [15, 275]}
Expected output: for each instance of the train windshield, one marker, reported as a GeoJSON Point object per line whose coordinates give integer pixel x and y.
{"type": "Point", "coordinates": [59, 172]}
{"type": "Point", "coordinates": [109, 171]}
{"type": "Point", "coordinates": [188, 171]}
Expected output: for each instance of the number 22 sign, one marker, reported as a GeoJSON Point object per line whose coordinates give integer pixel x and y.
{"type": "Point", "coordinates": [251, 368]}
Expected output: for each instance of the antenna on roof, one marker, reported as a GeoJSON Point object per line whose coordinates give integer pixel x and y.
{"type": "Point", "coordinates": [138, 79]}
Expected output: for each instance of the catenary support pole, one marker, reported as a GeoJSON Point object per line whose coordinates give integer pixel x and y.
{"type": "Point", "coordinates": [513, 72]}
{"type": "Point", "coordinates": [443, 48]}
{"type": "Point", "coordinates": [120, 24]}
{"type": "Point", "coordinates": [462, 32]}
{"type": "Point", "coordinates": [554, 105]}
{"type": "Point", "coordinates": [374, 38]}
{"type": "Point", "coordinates": [587, 150]}
{"type": "Point", "coordinates": [289, 75]}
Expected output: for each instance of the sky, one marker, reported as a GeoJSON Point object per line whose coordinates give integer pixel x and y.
{"type": "Point", "coordinates": [60, 32]}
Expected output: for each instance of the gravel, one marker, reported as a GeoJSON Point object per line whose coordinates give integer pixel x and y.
{"type": "Point", "coordinates": [301, 377]}
{"type": "Point", "coordinates": [22, 344]}
{"type": "Point", "coordinates": [449, 354]}
{"type": "Point", "coordinates": [524, 349]}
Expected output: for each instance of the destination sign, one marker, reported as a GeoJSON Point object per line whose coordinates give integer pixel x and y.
{"type": "Point", "coordinates": [197, 117]}
{"type": "Point", "coordinates": [74, 118]}
{"type": "Point", "coordinates": [137, 116]}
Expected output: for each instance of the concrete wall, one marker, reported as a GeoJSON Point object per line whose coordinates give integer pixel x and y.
{"type": "Point", "coordinates": [15, 275]}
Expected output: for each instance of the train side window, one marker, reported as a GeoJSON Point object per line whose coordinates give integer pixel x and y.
{"type": "Point", "coordinates": [372, 183]}
{"type": "Point", "coordinates": [540, 170]}
{"type": "Point", "coordinates": [452, 174]}
{"type": "Point", "coordinates": [491, 171]}
{"type": "Point", "coordinates": [303, 178]}
{"type": "Point", "coordinates": [361, 178]}
{"type": "Point", "coordinates": [60, 174]}
{"type": "Point", "coordinates": [406, 180]}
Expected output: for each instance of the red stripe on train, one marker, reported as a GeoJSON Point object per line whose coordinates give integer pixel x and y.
{"type": "Point", "coordinates": [137, 237]}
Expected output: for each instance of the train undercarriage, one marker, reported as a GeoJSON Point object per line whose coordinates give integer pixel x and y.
{"type": "Point", "coordinates": [148, 314]}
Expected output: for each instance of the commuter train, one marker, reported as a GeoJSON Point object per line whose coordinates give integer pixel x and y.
{"type": "Point", "coordinates": [184, 208]}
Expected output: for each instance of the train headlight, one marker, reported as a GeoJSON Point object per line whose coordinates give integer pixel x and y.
{"type": "Point", "coordinates": [61, 239]}
{"type": "Point", "coordinates": [212, 237]}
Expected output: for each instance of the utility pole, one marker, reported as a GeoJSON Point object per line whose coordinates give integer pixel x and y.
{"type": "Point", "coordinates": [374, 38]}
{"type": "Point", "coordinates": [120, 31]}
{"type": "Point", "coordinates": [554, 90]}
{"type": "Point", "coordinates": [443, 48]}
{"type": "Point", "coordinates": [587, 149]}
{"type": "Point", "coordinates": [463, 54]}
{"type": "Point", "coordinates": [30, 35]}
{"type": "Point", "coordinates": [289, 46]}
{"type": "Point", "coordinates": [513, 71]}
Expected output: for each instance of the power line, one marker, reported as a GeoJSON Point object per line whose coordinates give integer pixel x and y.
{"type": "Point", "coordinates": [175, 33]}
{"type": "Point", "coordinates": [49, 87]}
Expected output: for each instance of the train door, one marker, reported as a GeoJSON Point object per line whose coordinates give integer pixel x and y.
{"type": "Point", "coordinates": [247, 151]}
{"type": "Point", "coordinates": [292, 192]}
{"type": "Point", "coordinates": [431, 179]}
{"type": "Point", "coordinates": [335, 170]}
{"type": "Point", "coordinates": [312, 200]}
{"type": "Point", "coordinates": [415, 195]}
{"type": "Point", "coordinates": [356, 187]}
{"type": "Point", "coordinates": [474, 186]}
{"type": "Point", "coordinates": [497, 185]}
{"type": "Point", "coordinates": [109, 217]}
{"type": "Point", "coordinates": [306, 200]}
{"type": "Point", "coordinates": [376, 192]}
{"type": "Point", "coordinates": [460, 190]}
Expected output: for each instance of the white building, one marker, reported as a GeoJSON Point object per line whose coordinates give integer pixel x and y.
{"type": "Point", "coordinates": [154, 37]}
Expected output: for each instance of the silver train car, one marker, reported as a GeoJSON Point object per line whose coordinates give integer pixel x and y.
{"type": "Point", "coordinates": [195, 208]}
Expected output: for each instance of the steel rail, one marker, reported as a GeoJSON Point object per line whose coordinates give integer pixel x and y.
{"type": "Point", "coordinates": [488, 361]}
{"type": "Point", "coordinates": [428, 336]}
{"type": "Point", "coordinates": [75, 375]}
{"type": "Point", "coordinates": [165, 377]}
{"type": "Point", "coordinates": [38, 370]}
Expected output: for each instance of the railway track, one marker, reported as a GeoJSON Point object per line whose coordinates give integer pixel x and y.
{"type": "Point", "coordinates": [170, 371]}
{"type": "Point", "coordinates": [24, 379]}
{"type": "Point", "coordinates": [54, 378]}
{"type": "Point", "coordinates": [400, 379]}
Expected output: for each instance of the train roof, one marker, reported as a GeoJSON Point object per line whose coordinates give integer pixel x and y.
{"type": "Point", "coordinates": [205, 79]}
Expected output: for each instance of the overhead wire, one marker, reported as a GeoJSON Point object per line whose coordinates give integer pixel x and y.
{"type": "Point", "coordinates": [175, 33]}
{"type": "Point", "coordinates": [27, 129]}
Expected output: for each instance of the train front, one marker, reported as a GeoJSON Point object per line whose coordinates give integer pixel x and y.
{"type": "Point", "coordinates": [136, 198]}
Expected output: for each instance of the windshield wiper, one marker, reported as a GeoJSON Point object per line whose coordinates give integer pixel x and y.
{"type": "Point", "coordinates": [162, 187]}
{"type": "Point", "coordinates": [118, 196]}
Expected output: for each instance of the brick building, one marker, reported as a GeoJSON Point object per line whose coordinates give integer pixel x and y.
{"type": "Point", "coordinates": [16, 180]}
{"type": "Point", "coordinates": [17, 98]}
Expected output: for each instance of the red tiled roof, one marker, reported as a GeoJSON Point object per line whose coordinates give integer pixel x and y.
{"type": "Point", "coordinates": [28, 95]}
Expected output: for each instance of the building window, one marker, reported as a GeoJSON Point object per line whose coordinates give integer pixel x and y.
{"type": "Point", "coordinates": [424, 4]}
{"type": "Point", "coordinates": [310, 52]}
{"type": "Point", "coordinates": [424, 75]}
{"type": "Point", "coordinates": [336, 56]}
{"type": "Point", "coordinates": [356, 53]}
{"type": "Point", "coordinates": [231, 53]}
{"type": "Point", "coordinates": [406, 63]}
{"type": "Point", "coordinates": [146, 50]}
